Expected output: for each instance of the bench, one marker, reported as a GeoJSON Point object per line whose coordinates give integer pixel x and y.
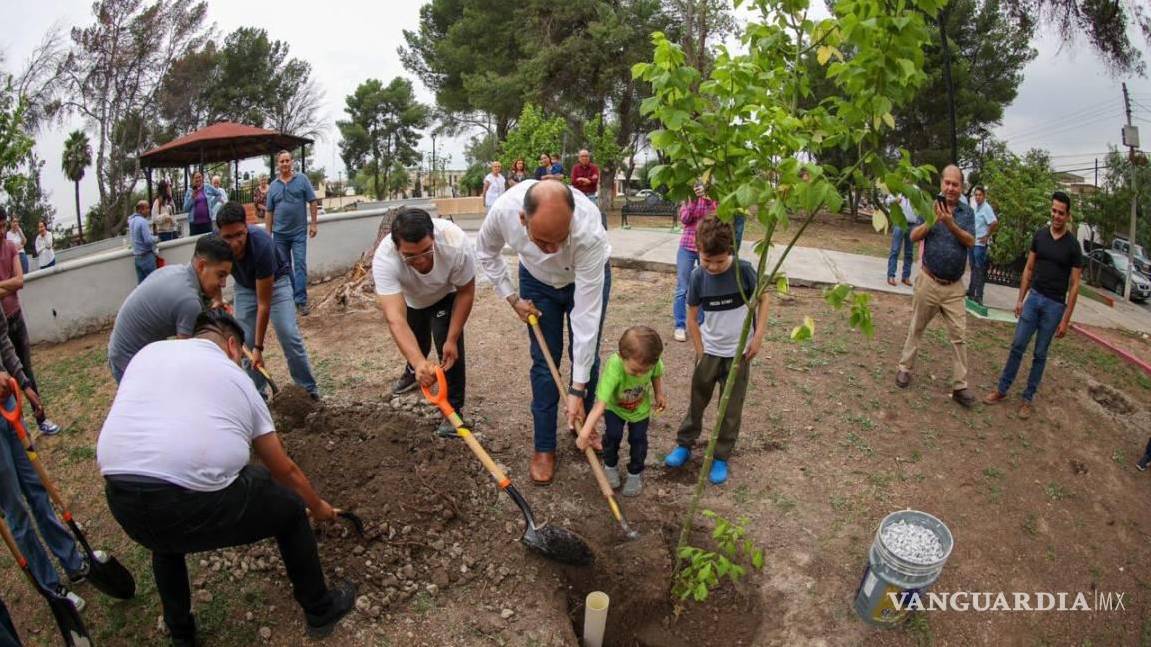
{"type": "Point", "coordinates": [652, 205]}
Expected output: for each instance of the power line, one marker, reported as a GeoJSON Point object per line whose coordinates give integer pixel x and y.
{"type": "Point", "coordinates": [1038, 136]}
{"type": "Point", "coordinates": [1082, 113]}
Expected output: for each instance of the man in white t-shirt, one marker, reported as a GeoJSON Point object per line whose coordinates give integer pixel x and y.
{"type": "Point", "coordinates": [563, 274]}
{"type": "Point", "coordinates": [425, 275]}
{"type": "Point", "coordinates": [174, 454]}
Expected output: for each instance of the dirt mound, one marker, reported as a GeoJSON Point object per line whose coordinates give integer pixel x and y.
{"type": "Point", "coordinates": [291, 406]}
{"type": "Point", "coordinates": [1110, 398]}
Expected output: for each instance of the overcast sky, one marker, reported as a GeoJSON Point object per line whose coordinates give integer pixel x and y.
{"type": "Point", "coordinates": [1067, 104]}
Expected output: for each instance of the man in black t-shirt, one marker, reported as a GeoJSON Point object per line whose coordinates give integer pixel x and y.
{"type": "Point", "coordinates": [1054, 263]}
{"type": "Point", "coordinates": [264, 293]}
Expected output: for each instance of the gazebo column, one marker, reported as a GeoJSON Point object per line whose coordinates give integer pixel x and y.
{"type": "Point", "coordinates": [148, 180]}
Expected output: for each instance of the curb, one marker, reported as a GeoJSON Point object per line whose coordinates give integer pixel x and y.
{"type": "Point", "coordinates": [1128, 357]}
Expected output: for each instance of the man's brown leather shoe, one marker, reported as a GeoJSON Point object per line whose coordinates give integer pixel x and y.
{"type": "Point", "coordinates": [995, 397]}
{"type": "Point", "coordinates": [543, 468]}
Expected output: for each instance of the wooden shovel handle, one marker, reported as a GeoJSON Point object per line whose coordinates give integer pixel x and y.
{"type": "Point", "coordinates": [597, 469]}
{"type": "Point", "coordinates": [15, 418]}
{"type": "Point", "coordinates": [490, 465]}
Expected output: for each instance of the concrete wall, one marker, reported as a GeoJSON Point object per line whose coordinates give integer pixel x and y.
{"type": "Point", "coordinates": [79, 296]}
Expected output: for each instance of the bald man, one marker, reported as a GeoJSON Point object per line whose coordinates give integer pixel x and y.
{"type": "Point", "coordinates": [938, 287]}
{"type": "Point", "coordinates": [563, 273]}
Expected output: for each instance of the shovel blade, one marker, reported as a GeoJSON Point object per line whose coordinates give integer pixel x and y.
{"type": "Point", "coordinates": [72, 628]}
{"type": "Point", "coordinates": [111, 578]}
{"type": "Point", "coordinates": [354, 519]}
{"type": "Point", "coordinates": [558, 544]}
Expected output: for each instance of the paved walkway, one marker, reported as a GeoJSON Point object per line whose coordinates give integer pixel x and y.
{"type": "Point", "coordinates": [653, 249]}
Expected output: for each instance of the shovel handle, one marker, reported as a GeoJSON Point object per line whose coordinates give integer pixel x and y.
{"type": "Point", "coordinates": [440, 399]}
{"type": "Point", "coordinates": [263, 371]}
{"type": "Point", "coordinates": [15, 418]}
{"type": "Point", "coordinates": [534, 322]}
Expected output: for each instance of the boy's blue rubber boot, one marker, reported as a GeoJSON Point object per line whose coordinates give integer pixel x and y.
{"type": "Point", "coordinates": [677, 457]}
{"type": "Point", "coordinates": [718, 475]}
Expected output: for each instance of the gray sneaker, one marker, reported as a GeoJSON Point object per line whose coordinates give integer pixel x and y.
{"type": "Point", "coordinates": [634, 485]}
{"type": "Point", "coordinates": [612, 474]}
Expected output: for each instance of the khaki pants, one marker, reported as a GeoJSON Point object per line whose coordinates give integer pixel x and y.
{"type": "Point", "coordinates": [931, 298]}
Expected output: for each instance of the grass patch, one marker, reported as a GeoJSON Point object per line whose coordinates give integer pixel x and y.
{"type": "Point", "coordinates": [80, 454]}
{"type": "Point", "coordinates": [1056, 492]}
{"type": "Point", "coordinates": [1031, 524]}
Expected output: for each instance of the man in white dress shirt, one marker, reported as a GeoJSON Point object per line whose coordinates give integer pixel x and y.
{"type": "Point", "coordinates": [563, 273]}
{"type": "Point", "coordinates": [425, 274]}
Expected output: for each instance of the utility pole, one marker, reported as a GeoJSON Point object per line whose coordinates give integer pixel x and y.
{"type": "Point", "coordinates": [1131, 141]}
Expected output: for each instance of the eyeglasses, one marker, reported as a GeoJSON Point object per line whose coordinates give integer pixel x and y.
{"type": "Point", "coordinates": [415, 257]}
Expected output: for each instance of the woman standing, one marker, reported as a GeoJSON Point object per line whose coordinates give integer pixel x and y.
{"type": "Point", "coordinates": [16, 235]}
{"type": "Point", "coordinates": [494, 184]}
{"type": "Point", "coordinates": [164, 213]}
{"type": "Point", "coordinates": [518, 174]}
{"type": "Point", "coordinates": [199, 203]}
{"type": "Point", "coordinates": [260, 198]}
{"type": "Point", "coordinates": [45, 253]}
{"type": "Point", "coordinates": [690, 214]}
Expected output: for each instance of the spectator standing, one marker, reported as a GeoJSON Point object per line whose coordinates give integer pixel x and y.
{"type": "Point", "coordinates": [45, 253]}
{"type": "Point", "coordinates": [938, 287]}
{"type": "Point", "coordinates": [164, 213]}
{"type": "Point", "coordinates": [290, 200]}
{"type": "Point", "coordinates": [11, 282]}
{"type": "Point", "coordinates": [1047, 295]}
{"type": "Point", "coordinates": [260, 198]}
{"type": "Point", "coordinates": [585, 177]}
{"type": "Point", "coordinates": [901, 239]}
{"type": "Point", "coordinates": [985, 225]}
{"type": "Point", "coordinates": [494, 185]}
{"type": "Point", "coordinates": [687, 258]}
{"type": "Point", "coordinates": [16, 236]}
{"type": "Point", "coordinates": [556, 172]}
{"type": "Point", "coordinates": [543, 171]}
{"type": "Point", "coordinates": [200, 202]}
{"type": "Point", "coordinates": [143, 242]}
{"type": "Point", "coordinates": [223, 196]}
{"type": "Point", "coordinates": [518, 174]}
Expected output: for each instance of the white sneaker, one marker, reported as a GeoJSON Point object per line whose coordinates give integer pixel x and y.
{"type": "Point", "coordinates": [49, 428]}
{"type": "Point", "coordinates": [76, 600]}
{"type": "Point", "coordinates": [680, 334]}
{"type": "Point", "coordinates": [634, 485]}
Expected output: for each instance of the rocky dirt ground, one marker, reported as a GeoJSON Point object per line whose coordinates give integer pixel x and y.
{"type": "Point", "coordinates": [829, 447]}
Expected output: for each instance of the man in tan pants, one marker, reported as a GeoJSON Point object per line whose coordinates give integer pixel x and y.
{"type": "Point", "coordinates": [938, 286]}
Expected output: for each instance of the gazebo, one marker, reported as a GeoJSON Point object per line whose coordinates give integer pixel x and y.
{"type": "Point", "coordinates": [224, 141]}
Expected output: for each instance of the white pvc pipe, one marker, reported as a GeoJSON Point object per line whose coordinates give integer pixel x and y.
{"type": "Point", "coordinates": [594, 618]}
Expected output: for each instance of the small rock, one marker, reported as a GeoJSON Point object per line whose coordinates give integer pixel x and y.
{"type": "Point", "coordinates": [390, 581]}
{"type": "Point", "coordinates": [266, 633]}
{"type": "Point", "coordinates": [432, 589]}
{"type": "Point", "coordinates": [358, 550]}
{"type": "Point", "coordinates": [249, 616]}
{"type": "Point", "coordinates": [507, 613]}
{"type": "Point", "coordinates": [204, 597]}
{"type": "Point", "coordinates": [376, 611]}
{"type": "Point", "coordinates": [363, 604]}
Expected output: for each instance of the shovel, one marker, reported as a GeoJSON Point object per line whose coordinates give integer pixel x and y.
{"type": "Point", "coordinates": [67, 618]}
{"type": "Point", "coordinates": [110, 576]}
{"type": "Point", "coordinates": [263, 371]}
{"type": "Point", "coordinates": [596, 468]}
{"type": "Point", "coordinates": [552, 542]}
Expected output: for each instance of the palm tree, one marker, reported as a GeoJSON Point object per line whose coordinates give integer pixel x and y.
{"type": "Point", "coordinates": [77, 157]}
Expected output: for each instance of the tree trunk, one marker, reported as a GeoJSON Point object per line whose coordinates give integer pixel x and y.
{"type": "Point", "coordinates": [79, 218]}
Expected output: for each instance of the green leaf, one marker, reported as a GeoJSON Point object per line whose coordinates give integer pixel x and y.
{"type": "Point", "coordinates": [824, 55]}
{"type": "Point", "coordinates": [805, 331]}
{"type": "Point", "coordinates": [781, 285]}
{"type": "Point", "coordinates": [889, 119]}
{"type": "Point", "coordinates": [878, 220]}
{"type": "Point", "coordinates": [757, 559]}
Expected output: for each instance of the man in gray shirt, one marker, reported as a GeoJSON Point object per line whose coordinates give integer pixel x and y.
{"type": "Point", "coordinates": [167, 303]}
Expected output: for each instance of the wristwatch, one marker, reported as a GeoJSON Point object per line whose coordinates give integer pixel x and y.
{"type": "Point", "coordinates": [579, 393]}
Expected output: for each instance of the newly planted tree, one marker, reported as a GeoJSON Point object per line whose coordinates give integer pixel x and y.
{"type": "Point", "coordinates": [751, 132]}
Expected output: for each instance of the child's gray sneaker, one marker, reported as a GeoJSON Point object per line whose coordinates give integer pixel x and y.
{"type": "Point", "coordinates": [612, 474]}
{"type": "Point", "coordinates": [634, 485]}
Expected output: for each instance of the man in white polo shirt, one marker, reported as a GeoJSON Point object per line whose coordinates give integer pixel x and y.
{"type": "Point", "coordinates": [174, 453]}
{"type": "Point", "coordinates": [425, 275]}
{"type": "Point", "coordinates": [563, 273]}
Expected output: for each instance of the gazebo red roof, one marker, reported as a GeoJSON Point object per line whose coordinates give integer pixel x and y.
{"type": "Point", "coordinates": [221, 142]}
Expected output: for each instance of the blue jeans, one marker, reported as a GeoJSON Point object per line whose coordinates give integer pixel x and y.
{"type": "Point", "coordinates": [24, 261]}
{"type": "Point", "coordinates": [1040, 315]}
{"type": "Point", "coordinates": [19, 485]}
{"type": "Point", "coordinates": [145, 265]}
{"type": "Point", "coordinates": [636, 440]}
{"type": "Point", "coordinates": [294, 247]}
{"type": "Point", "coordinates": [978, 273]}
{"type": "Point", "coordinates": [283, 320]}
{"type": "Point", "coordinates": [685, 261]}
{"type": "Point", "coordinates": [166, 235]}
{"type": "Point", "coordinates": [900, 238]}
{"type": "Point", "coordinates": [555, 306]}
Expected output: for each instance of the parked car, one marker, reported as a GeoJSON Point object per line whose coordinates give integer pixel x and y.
{"type": "Point", "coordinates": [1107, 268]}
{"type": "Point", "coordinates": [1141, 262]}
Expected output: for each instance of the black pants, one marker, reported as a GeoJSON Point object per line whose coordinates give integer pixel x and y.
{"type": "Point", "coordinates": [172, 521]}
{"type": "Point", "coordinates": [18, 333]}
{"type": "Point", "coordinates": [636, 440]}
{"type": "Point", "coordinates": [433, 322]}
{"type": "Point", "coordinates": [8, 635]}
{"type": "Point", "coordinates": [197, 228]}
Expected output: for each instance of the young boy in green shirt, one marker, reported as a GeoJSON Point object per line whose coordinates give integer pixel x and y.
{"type": "Point", "coordinates": [624, 397]}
